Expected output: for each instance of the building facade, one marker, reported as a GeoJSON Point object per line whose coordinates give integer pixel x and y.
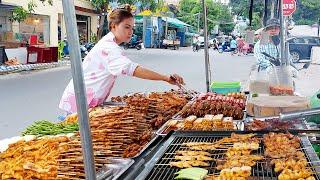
{"type": "Point", "coordinates": [47, 22]}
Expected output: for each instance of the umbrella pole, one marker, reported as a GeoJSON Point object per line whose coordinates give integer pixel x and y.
{"type": "Point", "coordinates": [206, 52]}
{"type": "Point", "coordinates": [79, 88]}
{"type": "Point", "coordinates": [283, 59]}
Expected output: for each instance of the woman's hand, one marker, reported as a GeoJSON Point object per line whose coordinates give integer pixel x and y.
{"type": "Point", "coordinates": [175, 79]}
{"type": "Point", "coordinates": [144, 73]}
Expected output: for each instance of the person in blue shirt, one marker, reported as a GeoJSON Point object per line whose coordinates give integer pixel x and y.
{"type": "Point", "coordinates": [233, 45]}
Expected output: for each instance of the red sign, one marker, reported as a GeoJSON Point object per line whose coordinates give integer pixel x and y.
{"type": "Point", "coordinates": [289, 7]}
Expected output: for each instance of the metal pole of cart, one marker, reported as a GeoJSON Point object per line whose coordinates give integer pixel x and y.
{"type": "Point", "coordinates": [206, 52]}
{"type": "Point", "coordinates": [286, 46]}
{"type": "Point", "coordinates": [282, 35]}
{"type": "Point", "coordinates": [79, 88]}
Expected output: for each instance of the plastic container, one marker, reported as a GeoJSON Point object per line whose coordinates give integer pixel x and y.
{"type": "Point", "coordinates": [225, 87]}
{"type": "Point", "coordinates": [259, 81]}
{"type": "Point", "coordinates": [281, 83]}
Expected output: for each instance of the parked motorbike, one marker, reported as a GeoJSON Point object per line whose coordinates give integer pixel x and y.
{"type": "Point", "coordinates": [89, 45]}
{"type": "Point", "coordinates": [196, 47]}
{"type": "Point", "coordinates": [224, 47]}
{"type": "Point", "coordinates": [83, 50]}
{"type": "Point", "coordinates": [248, 49]}
{"type": "Point", "coordinates": [215, 46]}
{"type": "Point", "coordinates": [137, 45]}
{"type": "Point", "coordinates": [276, 63]}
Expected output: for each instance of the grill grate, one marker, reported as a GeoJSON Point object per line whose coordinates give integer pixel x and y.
{"type": "Point", "coordinates": [162, 170]}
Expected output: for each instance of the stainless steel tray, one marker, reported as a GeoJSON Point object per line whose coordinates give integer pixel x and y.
{"type": "Point", "coordinates": [239, 124]}
{"type": "Point", "coordinates": [178, 115]}
{"type": "Point", "coordinates": [115, 169]}
{"type": "Point", "coordinates": [304, 125]}
{"type": "Point", "coordinates": [110, 103]}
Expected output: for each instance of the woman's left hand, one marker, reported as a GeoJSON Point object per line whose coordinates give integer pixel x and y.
{"type": "Point", "coordinates": [175, 79]}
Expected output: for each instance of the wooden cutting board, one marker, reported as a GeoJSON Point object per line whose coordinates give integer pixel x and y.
{"type": "Point", "coordinates": [274, 105]}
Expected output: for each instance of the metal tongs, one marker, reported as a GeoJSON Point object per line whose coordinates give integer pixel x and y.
{"type": "Point", "coordinates": [298, 114]}
{"type": "Point", "coordinates": [184, 89]}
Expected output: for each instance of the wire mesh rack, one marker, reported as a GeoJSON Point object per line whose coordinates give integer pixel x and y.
{"type": "Point", "coordinates": [159, 166]}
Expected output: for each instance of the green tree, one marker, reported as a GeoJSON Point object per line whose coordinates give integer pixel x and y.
{"type": "Point", "coordinates": [19, 14]}
{"type": "Point", "coordinates": [307, 12]}
{"type": "Point", "coordinates": [241, 8]}
{"type": "Point", "coordinates": [217, 14]}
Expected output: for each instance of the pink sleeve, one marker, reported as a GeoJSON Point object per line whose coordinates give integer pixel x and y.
{"type": "Point", "coordinates": [119, 64]}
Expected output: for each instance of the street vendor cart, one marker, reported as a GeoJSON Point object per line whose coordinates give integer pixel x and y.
{"type": "Point", "coordinates": [179, 134]}
{"type": "Point", "coordinates": [172, 40]}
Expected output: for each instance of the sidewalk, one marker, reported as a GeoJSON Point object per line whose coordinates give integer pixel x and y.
{"type": "Point", "coordinates": [30, 67]}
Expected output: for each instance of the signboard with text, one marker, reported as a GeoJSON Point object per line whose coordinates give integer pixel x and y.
{"type": "Point", "coordinates": [289, 7]}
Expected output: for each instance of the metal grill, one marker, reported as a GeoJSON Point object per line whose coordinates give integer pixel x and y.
{"type": "Point", "coordinates": [162, 169]}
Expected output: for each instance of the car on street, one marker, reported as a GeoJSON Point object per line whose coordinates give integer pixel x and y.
{"type": "Point", "coordinates": [201, 40]}
{"type": "Point", "coordinates": [300, 47]}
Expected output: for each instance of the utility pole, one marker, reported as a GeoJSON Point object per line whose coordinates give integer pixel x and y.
{"type": "Point", "coordinates": [206, 51]}
{"type": "Point", "coordinates": [199, 22]}
{"type": "Point", "coordinates": [318, 27]}
{"type": "Point", "coordinates": [79, 88]}
{"type": "Point", "coordinates": [282, 35]}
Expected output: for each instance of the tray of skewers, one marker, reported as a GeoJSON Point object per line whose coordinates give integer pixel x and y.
{"type": "Point", "coordinates": [230, 105]}
{"type": "Point", "coordinates": [207, 123]}
{"type": "Point", "coordinates": [275, 124]}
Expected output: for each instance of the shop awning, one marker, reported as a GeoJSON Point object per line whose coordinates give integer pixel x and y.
{"type": "Point", "coordinates": [171, 21]}
{"type": "Point", "coordinates": [138, 19]}
{"type": "Point", "coordinates": [175, 22]}
{"type": "Point", "coordinates": [7, 6]}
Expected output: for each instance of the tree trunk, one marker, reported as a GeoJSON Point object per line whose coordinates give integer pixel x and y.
{"type": "Point", "coordinates": [101, 25]}
{"type": "Point", "coordinates": [103, 13]}
{"type": "Point", "coordinates": [273, 5]}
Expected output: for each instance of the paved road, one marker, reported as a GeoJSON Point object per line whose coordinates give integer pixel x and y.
{"type": "Point", "coordinates": [28, 97]}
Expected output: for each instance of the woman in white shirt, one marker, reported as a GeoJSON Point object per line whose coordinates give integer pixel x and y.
{"type": "Point", "coordinates": [106, 61]}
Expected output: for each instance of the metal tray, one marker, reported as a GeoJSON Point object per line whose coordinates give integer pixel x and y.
{"type": "Point", "coordinates": [157, 166]}
{"type": "Point", "coordinates": [115, 169]}
{"type": "Point", "coordinates": [110, 103]}
{"type": "Point", "coordinates": [178, 115]}
{"type": "Point", "coordinates": [303, 125]}
{"type": "Point", "coordinates": [163, 130]}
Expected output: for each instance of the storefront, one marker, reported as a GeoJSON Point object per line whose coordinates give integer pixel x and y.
{"type": "Point", "coordinates": [6, 35]}
{"type": "Point", "coordinates": [46, 25]}
{"type": "Point", "coordinates": [35, 25]}
{"type": "Point", "coordinates": [47, 21]}
{"type": "Point", "coordinates": [83, 24]}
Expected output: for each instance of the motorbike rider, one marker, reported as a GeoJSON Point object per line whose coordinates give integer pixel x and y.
{"type": "Point", "coordinates": [271, 47]}
{"type": "Point", "coordinates": [196, 43]}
